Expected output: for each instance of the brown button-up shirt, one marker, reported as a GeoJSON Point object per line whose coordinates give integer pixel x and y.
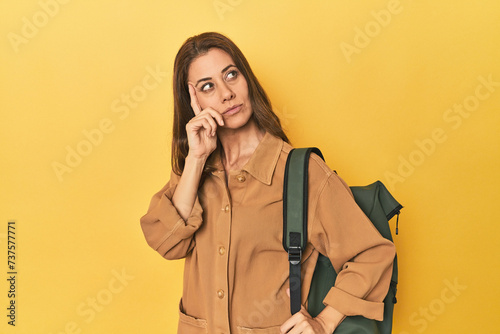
{"type": "Point", "coordinates": [237, 272]}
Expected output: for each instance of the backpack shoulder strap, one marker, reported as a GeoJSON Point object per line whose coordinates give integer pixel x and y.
{"type": "Point", "coordinates": [295, 202]}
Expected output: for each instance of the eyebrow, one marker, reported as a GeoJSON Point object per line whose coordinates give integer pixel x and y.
{"type": "Point", "coordinates": [210, 78]}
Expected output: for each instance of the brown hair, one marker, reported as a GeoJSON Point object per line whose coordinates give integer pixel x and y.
{"type": "Point", "coordinates": [192, 48]}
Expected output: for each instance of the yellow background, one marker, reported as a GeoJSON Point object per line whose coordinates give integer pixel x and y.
{"type": "Point", "coordinates": [370, 110]}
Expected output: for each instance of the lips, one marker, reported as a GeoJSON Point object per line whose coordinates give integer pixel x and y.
{"type": "Point", "coordinates": [232, 110]}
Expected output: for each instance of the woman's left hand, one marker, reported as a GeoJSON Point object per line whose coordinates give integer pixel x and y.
{"type": "Point", "coordinates": [302, 322]}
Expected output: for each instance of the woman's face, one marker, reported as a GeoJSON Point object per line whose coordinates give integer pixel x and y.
{"type": "Point", "coordinates": [220, 85]}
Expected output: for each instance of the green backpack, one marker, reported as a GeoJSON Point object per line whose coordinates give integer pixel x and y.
{"type": "Point", "coordinates": [378, 205]}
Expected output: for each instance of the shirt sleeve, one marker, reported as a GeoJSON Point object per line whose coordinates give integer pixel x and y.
{"type": "Point", "coordinates": [362, 258]}
{"type": "Point", "coordinates": [164, 229]}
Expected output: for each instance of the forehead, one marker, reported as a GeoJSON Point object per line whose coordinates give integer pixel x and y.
{"type": "Point", "coordinates": [209, 65]}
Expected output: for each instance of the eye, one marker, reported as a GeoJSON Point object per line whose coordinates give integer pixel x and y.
{"type": "Point", "coordinates": [206, 87]}
{"type": "Point", "coordinates": [232, 75]}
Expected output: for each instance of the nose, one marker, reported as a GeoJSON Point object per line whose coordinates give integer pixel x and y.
{"type": "Point", "coordinates": [226, 93]}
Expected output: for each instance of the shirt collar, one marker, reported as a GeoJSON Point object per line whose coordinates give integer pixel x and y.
{"type": "Point", "coordinates": [263, 161]}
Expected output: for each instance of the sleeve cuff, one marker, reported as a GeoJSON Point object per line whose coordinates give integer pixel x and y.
{"type": "Point", "coordinates": [165, 229]}
{"type": "Point", "coordinates": [350, 305]}
{"type": "Point", "coordinates": [188, 226]}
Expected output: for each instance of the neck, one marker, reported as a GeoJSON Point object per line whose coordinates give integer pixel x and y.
{"type": "Point", "coordinates": [239, 145]}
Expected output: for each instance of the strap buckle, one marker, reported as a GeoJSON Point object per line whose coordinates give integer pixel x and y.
{"type": "Point", "coordinates": [294, 255]}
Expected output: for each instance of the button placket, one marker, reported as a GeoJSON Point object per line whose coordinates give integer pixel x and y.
{"type": "Point", "coordinates": [221, 288]}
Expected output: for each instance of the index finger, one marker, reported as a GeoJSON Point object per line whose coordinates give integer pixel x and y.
{"type": "Point", "coordinates": [195, 105]}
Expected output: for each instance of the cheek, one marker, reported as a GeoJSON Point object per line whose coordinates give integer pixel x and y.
{"type": "Point", "coordinates": [204, 101]}
{"type": "Point", "coordinates": [243, 89]}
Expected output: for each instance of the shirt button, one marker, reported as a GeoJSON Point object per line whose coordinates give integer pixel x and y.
{"type": "Point", "coordinates": [226, 208]}
{"type": "Point", "coordinates": [220, 294]}
{"type": "Point", "coordinates": [241, 178]}
{"type": "Point", "coordinates": [222, 250]}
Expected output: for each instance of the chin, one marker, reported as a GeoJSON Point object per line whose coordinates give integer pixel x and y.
{"type": "Point", "coordinates": [238, 121]}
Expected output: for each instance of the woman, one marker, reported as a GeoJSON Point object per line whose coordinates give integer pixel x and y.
{"type": "Point", "coordinates": [222, 209]}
